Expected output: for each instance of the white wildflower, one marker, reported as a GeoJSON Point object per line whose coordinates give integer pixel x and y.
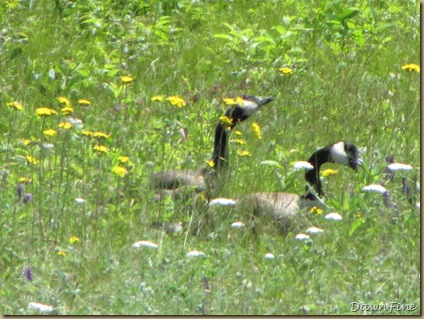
{"type": "Point", "coordinates": [333, 216]}
{"type": "Point", "coordinates": [302, 237]}
{"type": "Point", "coordinates": [314, 230]}
{"type": "Point", "coordinates": [375, 188]}
{"type": "Point", "coordinates": [144, 243]}
{"type": "Point", "coordinates": [40, 307]}
{"type": "Point", "coordinates": [237, 225]}
{"type": "Point", "coordinates": [47, 146]}
{"type": "Point", "coordinates": [177, 228]}
{"type": "Point", "coordinates": [303, 164]}
{"type": "Point", "coordinates": [196, 253]}
{"type": "Point", "coordinates": [79, 200]}
{"type": "Point", "coordinates": [77, 123]}
{"type": "Point", "coordinates": [399, 167]}
{"type": "Point", "coordinates": [269, 256]}
{"type": "Point", "coordinates": [222, 202]}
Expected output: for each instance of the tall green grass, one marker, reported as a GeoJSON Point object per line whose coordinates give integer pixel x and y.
{"type": "Point", "coordinates": [69, 243]}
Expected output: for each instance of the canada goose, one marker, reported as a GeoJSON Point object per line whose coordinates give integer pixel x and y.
{"type": "Point", "coordinates": [171, 180]}
{"type": "Point", "coordinates": [283, 207]}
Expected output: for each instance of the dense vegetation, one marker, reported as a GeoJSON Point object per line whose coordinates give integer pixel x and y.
{"type": "Point", "coordinates": [94, 95]}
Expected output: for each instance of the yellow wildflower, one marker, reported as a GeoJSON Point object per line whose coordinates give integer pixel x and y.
{"type": "Point", "coordinates": [28, 141]}
{"type": "Point", "coordinates": [84, 102]}
{"type": "Point", "coordinates": [15, 105]}
{"type": "Point", "coordinates": [286, 70]}
{"type": "Point", "coordinates": [211, 163]}
{"type": "Point", "coordinates": [45, 111]}
{"type": "Point", "coordinates": [158, 98]}
{"type": "Point", "coordinates": [73, 239]}
{"type": "Point", "coordinates": [119, 170]}
{"type": "Point", "coordinates": [127, 79]}
{"type": "Point", "coordinates": [67, 110]}
{"type": "Point", "coordinates": [177, 101]}
{"type": "Point", "coordinates": [328, 172]}
{"type": "Point", "coordinates": [50, 132]}
{"type": "Point", "coordinates": [240, 141]}
{"type": "Point", "coordinates": [65, 125]}
{"type": "Point", "coordinates": [238, 133]}
{"type": "Point", "coordinates": [229, 101]}
{"type": "Point", "coordinates": [64, 100]}
{"type": "Point", "coordinates": [316, 210]}
{"type": "Point", "coordinates": [100, 148]}
{"type": "Point", "coordinates": [87, 133]}
{"type": "Point", "coordinates": [24, 180]}
{"type": "Point", "coordinates": [256, 130]}
{"type": "Point", "coordinates": [243, 153]}
{"type": "Point", "coordinates": [61, 253]}
{"type": "Point", "coordinates": [226, 120]}
{"type": "Point", "coordinates": [101, 135]}
{"type": "Point", "coordinates": [239, 100]}
{"type": "Point", "coordinates": [123, 159]}
{"type": "Point", "coordinates": [411, 68]}
{"type": "Point", "coordinates": [32, 159]}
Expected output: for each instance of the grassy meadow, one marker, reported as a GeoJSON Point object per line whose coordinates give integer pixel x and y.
{"type": "Point", "coordinates": [94, 95]}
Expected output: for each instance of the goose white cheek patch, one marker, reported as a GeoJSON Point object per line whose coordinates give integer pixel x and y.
{"type": "Point", "coordinates": [249, 107]}
{"type": "Point", "coordinates": [338, 154]}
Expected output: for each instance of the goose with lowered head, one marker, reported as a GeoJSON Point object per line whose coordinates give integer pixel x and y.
{"type": "Point", "coordinates": [284, 207]}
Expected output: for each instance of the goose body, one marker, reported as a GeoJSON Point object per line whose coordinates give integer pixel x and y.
{"type": "Point", "coordinates": [168, 182]}
{"type": "Point", "coordinates": [173, 179]}
{"type": "Point", "coordinates": [283, 208]}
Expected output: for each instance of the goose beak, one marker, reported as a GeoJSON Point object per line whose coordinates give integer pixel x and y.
{"type": "Point", "coordinates": [255, 101]}
{"type": "Point", "coordinates": [355, 164]}
{"type": "Point", "coordinates": [264, 100]}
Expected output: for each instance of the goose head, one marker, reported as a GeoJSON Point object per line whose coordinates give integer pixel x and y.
{"type": "Point", "coordinates": [346, 154]}
{"type": "Point", "coordinates": [340, 153]}
{"type": "Point", "coordinates": [245, 108]}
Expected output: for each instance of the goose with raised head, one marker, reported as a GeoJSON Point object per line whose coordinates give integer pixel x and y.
{"type": "Point", "coordinates": [284, 207]}
{"type": "Point", "coordinates": [171, 180]}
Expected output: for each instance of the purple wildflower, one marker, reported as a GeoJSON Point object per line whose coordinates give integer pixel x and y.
{"type": "Point", "coordinates": [28, 273]}
{"type": "Point", "coordinates": [27, 198]}
{"type": "Point", "coordinates": [406, 189]}
{"type": "Point", "coordinates": [20, 191]}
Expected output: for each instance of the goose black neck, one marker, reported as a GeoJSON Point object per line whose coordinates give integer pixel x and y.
{"type": "Point", "coordinates": [312, 176]}
{"type": "Point", "coordinates": [220, 153]}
